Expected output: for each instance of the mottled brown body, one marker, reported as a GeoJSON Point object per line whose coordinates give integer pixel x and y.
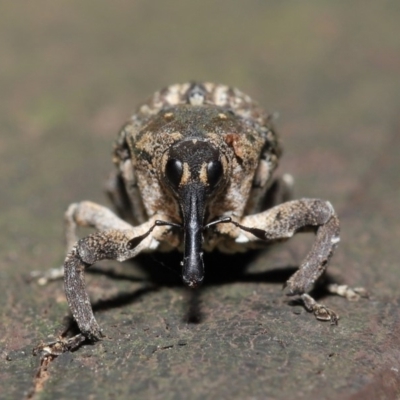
{"type": "Point", "coordinates": [194, 172]}
{"type": "Point", "coordinates": [220, 115]}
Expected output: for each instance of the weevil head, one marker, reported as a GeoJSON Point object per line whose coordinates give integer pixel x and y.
{"type": "Point", "coordinates": [193, 163]}
{"type": "Point", "coordinates": [193, 170]}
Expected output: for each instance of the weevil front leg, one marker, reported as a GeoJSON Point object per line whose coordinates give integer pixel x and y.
{"type": "Point", "coordinates": [282, 222]}
{"type": "Point", "coordinates": [110, 244]}
{"type": "Point", "coordinates": [82, 214]}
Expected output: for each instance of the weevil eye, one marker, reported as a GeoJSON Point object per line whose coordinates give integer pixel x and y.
{"type": "Point", "coordinates": [173, 172]}
{"type": "Point", "coordinates": [214, 173]}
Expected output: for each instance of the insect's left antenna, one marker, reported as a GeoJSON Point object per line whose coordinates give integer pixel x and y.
{"type": "Point", "coordinates": [222, 220]}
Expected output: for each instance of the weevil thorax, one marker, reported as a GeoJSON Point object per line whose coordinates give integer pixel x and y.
{"type": "Point", "coordinates": [195, 150]}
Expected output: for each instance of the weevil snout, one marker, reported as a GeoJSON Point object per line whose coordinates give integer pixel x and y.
{"type": "Point", "coordinates": [193, 171]}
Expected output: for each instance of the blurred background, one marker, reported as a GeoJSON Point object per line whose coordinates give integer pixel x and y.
{"type": "Point", "coordinates": [72, 72]}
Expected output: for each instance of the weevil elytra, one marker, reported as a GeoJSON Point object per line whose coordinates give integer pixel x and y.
{"type": "Point", "coordinates": [194, 172]}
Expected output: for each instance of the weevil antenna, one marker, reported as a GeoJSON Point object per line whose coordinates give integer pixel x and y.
{"type": "Point", "coordinates": [159, 222]}
{"type": "Point", "coordinates": [136, 240]}
{"type": "Point", "coordinates": [222, 220]}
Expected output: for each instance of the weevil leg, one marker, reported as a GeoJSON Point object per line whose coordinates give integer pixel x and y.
{"type": "Point", "coordinates": [321, 312]}
{"type": "Point", "coordinates": [350, 293]}
{"type": "Point", "coordinates": [85, 213]}
{"type": "Point", "coordinates": [110, 244]}
{"type": "Point", "coordinates": [44, 277]}
{"type": "Point", "coordinates": [282, 222]}
{"type": "Point", "coordinates": [89, 214]}
{"type": "Point", "coordinates": [279, 191]}
{"type": "Point", "coordinates": [59, 346]}
{"type": "Point", "coordinates": [116, 192]}
{"type": "Point", "coordinates": [125, 195]}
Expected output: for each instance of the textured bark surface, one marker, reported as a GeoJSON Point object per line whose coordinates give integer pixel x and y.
{"type": "Point", "coordinates": [70, 75]}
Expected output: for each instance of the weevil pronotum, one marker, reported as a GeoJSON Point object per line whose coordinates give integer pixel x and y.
{"type": "Point", "coordinates": [194, 172]}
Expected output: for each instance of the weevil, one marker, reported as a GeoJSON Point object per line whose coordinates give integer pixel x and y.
{"type": "Point", "coordinates": [194, 172]}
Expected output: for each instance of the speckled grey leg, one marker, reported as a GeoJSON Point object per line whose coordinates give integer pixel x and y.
{"type": "Point", "coordinates": [280, 191]}
{"type": "Point", "coordinates": [261, 199]}
{"type": "Point", "coordinates": [281, 222]}
{"type": "Point", "coordinates": [118, 195]}
{"type": "Point", "coordinates": [85, 213]}
{"type": "Point", "coordinates": [350, 293]}
{"type": "Point", "coordinates": [111, 244]}
{"type": "Point", "coordinates": [89, 214]}
{"type": "Point", "coordinates": [123, 191]}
